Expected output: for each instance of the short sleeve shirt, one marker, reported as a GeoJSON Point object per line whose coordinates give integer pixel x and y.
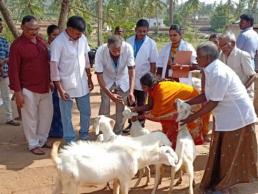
{"type": "Point", "coordinates": [235, 109]}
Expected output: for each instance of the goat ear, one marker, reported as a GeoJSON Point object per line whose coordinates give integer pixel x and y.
{"type": "Point", "coordinates": [112, 122]}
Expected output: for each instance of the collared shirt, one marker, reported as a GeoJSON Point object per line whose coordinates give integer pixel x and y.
{"type": "Point", "coordinates": [247, 41]}
{"type": "Point", "coordinates": [70, 60]}
{"type": "Point", "coordinates": [147, 54]}
{"type": "Point", "coordinates": [111, 74]}
{"type": "Point", "coordinates": [235, 109]}
{"type": "Point", "coordinates": [241, 63]}
{"type": "Point", "coordinates": [29, 65]}
{"type": "Point", "coordinates": [4, 54]}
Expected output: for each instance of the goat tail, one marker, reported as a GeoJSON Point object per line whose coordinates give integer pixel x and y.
{"type": "Point", "coordinates": [54, 152]}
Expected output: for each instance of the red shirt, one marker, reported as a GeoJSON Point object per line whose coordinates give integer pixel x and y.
{"type": "Point", "coordinates": [29, 65]}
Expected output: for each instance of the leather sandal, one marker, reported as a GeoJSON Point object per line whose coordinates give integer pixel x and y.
{"type": "Point", "coordinates": [37, 151]}
{"type": "Point", "coordinates": [13, 123]}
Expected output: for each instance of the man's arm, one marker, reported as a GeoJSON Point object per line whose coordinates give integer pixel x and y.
{"type": "Point", "coordinates": [197, 100]}
{"type": "Point", "coordinates": [208, 107]}
{"type": "Point", "coordinates": [14, 70]}
{"type": "Point", "coordinates": [88, 72]}
{"type": "Point", "coordinates": [131, 72]}
{"type": "Point", "coordinates": [153, 68]}
{"type": "Point", "coordinates": [250, 80]}
{"type": "Point", "coordinates": [55, 77]}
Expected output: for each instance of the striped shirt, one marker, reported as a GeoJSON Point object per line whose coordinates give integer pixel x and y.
{"type": "Point", "coordinates": [4, 54]}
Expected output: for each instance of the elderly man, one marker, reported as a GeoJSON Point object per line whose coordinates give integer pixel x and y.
{"type": "Point", "coordinates": [115, 69]}
{"type": "Point", "coordinates": [29, 74]}
{"type": "Point", "coordinates": [248, 38]}
{"type": "Point", "coordinates": [70, 72]}
{"type": "Point", "coordinates": [233, 151]}
{"type": "Point", "coordinates": [239, 61]}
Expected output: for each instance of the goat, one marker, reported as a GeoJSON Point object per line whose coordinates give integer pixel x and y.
{"type": "Point", "coordinates": [136, 128]}
{"type": "Point", "coordinates": [135, 131]}
{"type": "Point", "coordinates": [103, 124]}
{"type": "Point", "coordinates": [97, 163]}
{"type": "Point", "coordinates": [185, 150]}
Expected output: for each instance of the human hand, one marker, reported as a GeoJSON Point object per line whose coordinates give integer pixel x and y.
{"type": "Point", "coordinates": [189, 119]}
{"type": "Point", "coordinates": [131, 98]}
{"type": "Point", "coordinates": [19, 98]}
{"type": "Point", "coordinates": [65, 96]}
{"type": "Point", "coordinates": [90, 84]}
{"type": "Point", "coordinates": [116, 98]}
{"type": "Point", "coordinates": [52, 86]}
{"type": "Point", "coordinates": [134, 118]}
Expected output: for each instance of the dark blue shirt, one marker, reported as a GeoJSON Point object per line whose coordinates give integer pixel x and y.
{"type": "Point", "coordinates": [137, 46]}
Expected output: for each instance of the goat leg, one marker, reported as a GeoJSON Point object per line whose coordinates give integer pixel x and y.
{"type": "Point", "coordinates": [191, 177]}
{"type": "Point", "coordinates": [172, 180]}
{"type": "Point", "coordinates": [124, 187]}
{"type": "Point", "coordinates": [116, 186]}
{"type": "Point", "coordinates": [107, 187]}
{"type": "Point", "coordinates": [179, 181]}
{"type": "Point", "coordinates": [162, 172]}
{"type": "Point", "coordinates": [140, 175]}
{"type": "Point", "coordinates": [148, 175]}
{"type": "Point", "coordinates": [157, 178]}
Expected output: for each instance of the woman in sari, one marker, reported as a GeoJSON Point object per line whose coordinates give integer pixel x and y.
{"type": "Point", "coordinates": [161, 106]}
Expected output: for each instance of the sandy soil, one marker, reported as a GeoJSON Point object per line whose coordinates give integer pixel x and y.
{"type": "Point", "coordinates": [24, 173]}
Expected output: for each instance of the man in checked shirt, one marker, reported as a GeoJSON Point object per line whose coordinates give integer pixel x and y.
{"type": "Point", "coordinates": [4, 81]}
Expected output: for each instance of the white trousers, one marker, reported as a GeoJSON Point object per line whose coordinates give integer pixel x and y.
{"type": "Point", "coordinates": [5, 92]}
{"type": "Point", "coordinates": [37, 113]}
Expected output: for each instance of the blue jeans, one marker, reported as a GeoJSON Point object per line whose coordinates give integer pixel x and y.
{"type": "Point", "coordinates": [83, 105]}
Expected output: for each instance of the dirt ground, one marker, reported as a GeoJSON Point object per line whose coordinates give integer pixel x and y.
{"type": "Point", "coordinates": [24, 173]}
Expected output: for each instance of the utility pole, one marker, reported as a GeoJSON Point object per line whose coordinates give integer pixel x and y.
{"type": "Point", "coordinates": [100, 21]}
{"type": "Point", "coordinates": [170, 11]}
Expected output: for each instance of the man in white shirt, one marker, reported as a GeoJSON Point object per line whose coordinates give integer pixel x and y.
{"type": "Point", "coordinates": [115, 69]}
{"type": "Point", "coordinates": [233, 150]}
{"type": "Point", "coordinates": [145, 54]}
{"type": "Point", "coordinates": [70, 72]}
{"type": "Point", "coordinates": [239, 61]}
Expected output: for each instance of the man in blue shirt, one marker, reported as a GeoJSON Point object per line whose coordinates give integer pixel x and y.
{"type": "Point", "coordinates": [4, 81]}
{"type": "Point", "coordinates": [248, 38]}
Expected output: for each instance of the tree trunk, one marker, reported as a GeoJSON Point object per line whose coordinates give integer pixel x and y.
{"type": "Point", "coordinates": [255, 5]}
{"type": "Point", "coordinates": [63, 14]}
{"type": "Point", "coordinates": [8, 19]}
{"type": "Point", "coordinates": [100, 21]}
{"type": "Point", "coordinates": [170, 12]}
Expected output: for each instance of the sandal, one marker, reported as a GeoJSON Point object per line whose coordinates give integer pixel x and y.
{"type": "Point", "coordinates": [37, 151]}
{"type": "Point", "coordinates": [13, 123]}
{"type": "Point", "coordinates": [47, 145]}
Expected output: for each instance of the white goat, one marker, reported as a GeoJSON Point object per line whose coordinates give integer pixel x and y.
{"type": "Point", "coordinates": [136, 128]}
{"type": "Point", "coordinates": [103, 124]}
{"type": "Point", "coordinates": [98, 163]}
{"type": "Point", "coordinates": [185, 150]}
